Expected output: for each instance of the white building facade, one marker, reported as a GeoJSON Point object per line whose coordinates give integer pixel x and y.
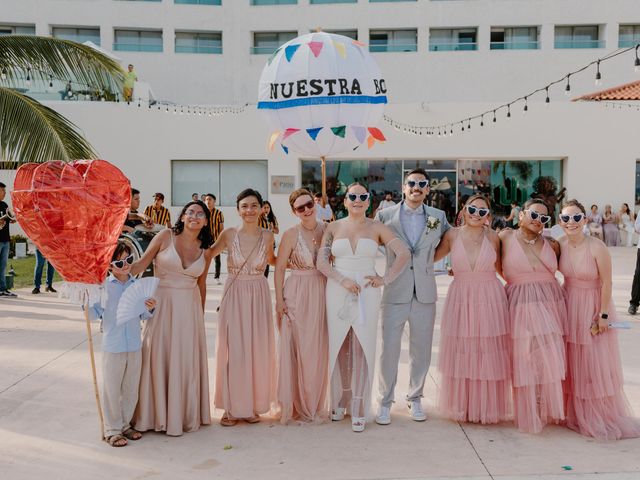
{"type": "Point", "coordinates": [443, 60]}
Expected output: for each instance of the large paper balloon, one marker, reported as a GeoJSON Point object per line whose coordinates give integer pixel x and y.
{"type": "Point", "coordinates": [323, 94]}
{"type": "Point", "coordinates": [74, 213]}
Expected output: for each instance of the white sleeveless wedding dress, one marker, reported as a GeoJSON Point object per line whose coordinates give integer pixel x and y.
{"type": "Point", "coordinates": [352, 376]}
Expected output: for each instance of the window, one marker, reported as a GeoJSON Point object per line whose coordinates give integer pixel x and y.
{"type": "Point", "coordinates": [319, 2]}
{"type": "Point", "coordinates": [17, 30]}
{"type": "Point", "coordinates": [77, 34]}
{"type": "Point", "coordinates": [274, 2]}
{"type": "Point", "coordinates": [514, 38]}
{"type": "Point", "coordinates": [387, 1]}
{"type": "Point", "coordinates": [393, 40]}
{"type": "Point", "coordinates": [198, 42]}
{"type": "Point", "coordinates": [224, 178]}
{"type": "Point", "coordinates": [628, 36]}
{"type": "Point", "coordinates": [138, 40]}
{"type": "Point", "coordinates": [347, 33]}
{"type": "Point", "coordinates": [198, 2]}
{"type": "Point", "coordinates": [447, 39]}
{"type": "Point", "coordinates": [268, 42]}
{"type": "Point", "coordinates": [578, 36]}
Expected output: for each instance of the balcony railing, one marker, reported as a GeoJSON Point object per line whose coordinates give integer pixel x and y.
{"type": "Point", "coordinates": [274, 2]}
{"type": "Point", "coordinates": [263, 50]}
{"type": "Point", "coordinates": [198, 2]}
{"type": "Point", "coordinates": [627, 43]}
{"type": "Point", "coordinates": [192, 49]}
{"type": "Point", "coordinates": [452, 47]}
{"type": "Point", "coordinates": [515, 45]}
{"type": "Point", "coordinates": [320, 2]}
{"type": "Point", "coordinates": [136, 47]}
{"type": "Point", "coordinates": [393, 47]}
{"type": "Point", "coordinates": [579, 44]}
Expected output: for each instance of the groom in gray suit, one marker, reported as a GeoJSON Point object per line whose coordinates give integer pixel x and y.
{"type": "Point", "coordinates": [412, 296]}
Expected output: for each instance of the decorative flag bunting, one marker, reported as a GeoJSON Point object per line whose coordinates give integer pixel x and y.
{"type": "Point", "coordinates": [290, 51]}
{"type": "Point", "coordinates": [272, 140]}
{"type": "Point", "coordinates": [360, 133]}
{"type": "Point", "coordinates": [360, 44]}
{"type": "Point", "coordinates": [377, 134]}
{"type": "Point", "coordinates": [285, 148]}
{"type": "Point", "coordinates": [288, 132]}
{"type": "Point", "coordinates": [370, 141]}
{"type": "Point", "coordinates": [313, 132]}
{"type": "Point", "coordinates": [315, 47]}
{"type": "Point", "coordinates": [339, 131]}
{"type": "Point", "coordinates": [342, 50]}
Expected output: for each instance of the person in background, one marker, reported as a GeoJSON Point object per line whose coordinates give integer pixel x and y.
{"type": "Point", "coordinates": [121, 352]}
{"type": "Point", "coordinates": [514, 216]}
{"type": "Point", "coordinates": [130, 78]}
{"type": "Point", "coordinates": [459, 218]}
{"type": "Point", "coordinates": [37, 274]}
{"type": "Point", "coordinates": [635, 287]}
{"type": "Point", "coordinates": [387, 202]}
{"type": "Point", "coordinates": [216, 225]}
{"type": "Point", "coordinates": [625, 219]}
{"type": "Point", "coordinates": [610, 227]}
{"type": "Point", "coordinates": [6, 217]}
{"type": "Point", "coordinates": [268, 220]}
{"type": "Point", "coordinates": [157, 213]}
{"type": "Point", "coordinates": [134, 218]}
{"type": "Point", "coordinates": [323, 214]}
{"type": "Point", "coordinates": [195, 197]}
{"type": "Point", "coordinates": [594, 222]}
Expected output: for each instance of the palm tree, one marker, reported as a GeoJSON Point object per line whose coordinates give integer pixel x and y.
{"type": "Point", "coordinates": [30, 131]}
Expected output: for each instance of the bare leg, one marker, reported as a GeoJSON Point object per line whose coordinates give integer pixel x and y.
{"type": "Point", "coordinates": [361, 378]}
{"type": "Point", "coordinates": [346, 369]}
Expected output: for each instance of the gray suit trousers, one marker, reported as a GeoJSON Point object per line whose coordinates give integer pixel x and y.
{"type": "Point", "coordinates": [421, 317]}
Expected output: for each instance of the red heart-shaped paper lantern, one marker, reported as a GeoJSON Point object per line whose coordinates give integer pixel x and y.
{"type": "Point", "coordinates": [74, 213]}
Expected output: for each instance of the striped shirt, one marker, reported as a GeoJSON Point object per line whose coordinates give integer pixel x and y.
{"type": "Point", "coordinates": [216, 220]}
{"type": "Point", "coordinates": [160, 216]}
{"type": "Point", "coordinates": [263, 222]}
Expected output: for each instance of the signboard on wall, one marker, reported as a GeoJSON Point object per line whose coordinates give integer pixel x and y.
{"type": "Point", "coordinates": [283, 184]}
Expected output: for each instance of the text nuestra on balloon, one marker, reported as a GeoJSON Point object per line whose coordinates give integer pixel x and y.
{"type": "Point", "coordinates": [322, 94]}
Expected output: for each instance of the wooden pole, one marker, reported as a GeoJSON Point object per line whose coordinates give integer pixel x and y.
{"type": "Point", "coordinates": [93, 364]}
{"type": "Point", "coordinates": [324, 181]}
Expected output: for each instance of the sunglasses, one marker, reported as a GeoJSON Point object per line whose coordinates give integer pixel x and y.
{"type": "Point", "coordinates": [577, 217]}
{"type": "Point", "coordinates": [538, 216]}
{"type": "Point", "coordinates": [354, 196]}
{"type": "Point", "coordinates": [305, 206]}
{"type": "Point", "coordinates": [420, 184]}
{"type": "Point", "coordinates": [121, 263]}
{"type": "Point", "coordinates": [192, 214]}
{"type": "Point", "coordinates": [481, 212]}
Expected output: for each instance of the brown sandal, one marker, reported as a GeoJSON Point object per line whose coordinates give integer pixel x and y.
{"type": "Point", "coordinates": [132, 434]}
{"type": "Point", "coordinates": [254, 419]}
{"type": "Point", "coordinates": [117, 440]}
{"type": "Point", "coordinates": [228, 421]}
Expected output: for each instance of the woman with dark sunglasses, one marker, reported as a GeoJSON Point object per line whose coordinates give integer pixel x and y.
{"type": "Point", "coordinates": [347, 258]}
{"type": "Point", "coordinates": [537, 314]}
{"type": "Point", "coordinates": [474, 358]}
{"type": "Point", "coordinates": [301, 317]}
{"type": "Point", "coordinates": [596, 405]}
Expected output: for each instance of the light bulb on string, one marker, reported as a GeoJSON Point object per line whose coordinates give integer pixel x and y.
{"type": "Point", "coordinates": [50, 81]}
{"type": "Point", "coordinates": [547, 100]}
{"type": "Point", "coordinates": [482, 120]}
{"type": "Point", "coordinates": [461, 127]}
{"type": "Point", "coordinates": [567, 88]}
{"type": "Point", "coordinates": [451, 131]}
{"type": "Point", "coordinates": [525, 109]}
{"type": "Point", "coordinates": [598, 74]}
{"type": "Point", "coordinates": [469, 124]}
{"type": "Point", "coordinates": [509, 111]}
{"type": "Point", "coordinates": [494, 117]}
{"type": "Point", "coordinates": [28, 80]}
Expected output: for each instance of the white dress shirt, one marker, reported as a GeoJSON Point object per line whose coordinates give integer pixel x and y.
{"type": "Point", "coordinates": [413, 222]}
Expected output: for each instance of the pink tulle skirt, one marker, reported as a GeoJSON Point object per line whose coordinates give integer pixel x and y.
{"type": "Point", "coordinates": [474, 352]}
{"type": "Point", "coordinates": [537, 313]}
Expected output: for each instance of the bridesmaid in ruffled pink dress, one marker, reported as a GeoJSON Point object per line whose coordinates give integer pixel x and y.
{"type": "Point", "coordinates": [245, 350]}
{"type": "Point", "coordinates": [537, 314]}
{"type": "Point", "coordinates": [474, 359]}
{"type": "Point", "coordinates": [301, 318]}
{"type": "Point", "coordinates": [596, 405]}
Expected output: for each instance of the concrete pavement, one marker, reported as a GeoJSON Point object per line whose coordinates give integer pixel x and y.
{"type": "Point", "coordinates": [49, 425]}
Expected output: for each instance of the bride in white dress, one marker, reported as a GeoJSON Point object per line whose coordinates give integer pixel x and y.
{"type": "Point", "coordinates": [347, 258]}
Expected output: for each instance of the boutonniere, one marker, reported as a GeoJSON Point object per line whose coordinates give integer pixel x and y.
{"type": "Point", "coordinates": [432, 223]}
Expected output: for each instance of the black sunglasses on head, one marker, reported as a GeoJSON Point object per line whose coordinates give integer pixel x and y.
{"type": "Point", "coordinates": [481, 212]}
{"type": "Point", "coordinates": [353, 196]}
{"type": "Point", "coordinates": [421, 183]}
{"type": "Point", "coordinates": [120, 263]}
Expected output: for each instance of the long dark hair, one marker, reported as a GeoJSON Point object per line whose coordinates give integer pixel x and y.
{"type": "Point", "coordinates": [246, 193]}
{"type": "Point", "coordinates": [271, 218]}
{"type": "Point", "coordinates": [205, 232]}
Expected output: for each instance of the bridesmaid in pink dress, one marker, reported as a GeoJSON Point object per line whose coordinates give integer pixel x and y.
{"type": "Point", "coordinates": [245, 351]}
{"type": "Point", "coordinates": [537, 314]}
{"type": "Point", "coordinates": [596, 405]}
{"type": "Point", "coordinates": [301, 317]}
{"type": "Point", "coordinates": [474, 334]}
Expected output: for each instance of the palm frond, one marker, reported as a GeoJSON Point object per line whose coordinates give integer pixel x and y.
{"type": "Point", "coordinates": [32, 132]}
{"type": "Point", "coordinates": [62, 59]}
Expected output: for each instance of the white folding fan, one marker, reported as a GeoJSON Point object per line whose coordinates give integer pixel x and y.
{"type": "Point", "coordinates": [131, 304]}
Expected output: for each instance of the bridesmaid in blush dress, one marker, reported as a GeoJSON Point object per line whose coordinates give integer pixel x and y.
{"type": "Point", "coordinates": [174, 382]}
{"type": "Point", "coordinates": [474, 359]}
{"type": "Point", "coordinates": [301, 317]}
{"type": "Point", "coordinates": [537, 314]}
{"type": "Point", "coordinates": [596, 405]}
{"type": "Point", "coordinates": [245, 353]}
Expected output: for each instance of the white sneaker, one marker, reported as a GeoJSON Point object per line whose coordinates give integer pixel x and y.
{"type": "Point", "coordinates": [357, 424]}
{"type": "Point", "coordinates": [415, 409]}
{"type": "Point", "coordinates": [337, 414]}
{"type": "Point", "coordinates": [384, 416]}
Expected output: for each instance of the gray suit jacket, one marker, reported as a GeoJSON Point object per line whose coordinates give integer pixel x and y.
{"type": "Point", "coordinates": [418, 274]}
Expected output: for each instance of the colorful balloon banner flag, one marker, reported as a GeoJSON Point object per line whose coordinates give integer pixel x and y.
{"type": "Point", "coordinates": [370, 141]}
{"type": "Point", "coordinates": [272, 140]}
{"type": "Point", "coordinates": [290, 51]}
{"type": "Point", "coordinates": [339, 131]}
{"type": "Point", "coordinates": [315, 47]}
{"type": "Point", "coordinates": [313, 132]}
{"type": "Point", "coordinates": [285, 149]}
{"type": "Point", "coordinates": [377, 134]}
{"type": "Point", "coordinates": [288, 132]}
{"type": "Point", "coordinates": [342, 50]}
{"type": "Point", "coordinates": [360, 133]}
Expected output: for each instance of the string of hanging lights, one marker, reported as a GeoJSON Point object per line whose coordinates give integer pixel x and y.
{"type": "Point", "coordinates": [491, 115]}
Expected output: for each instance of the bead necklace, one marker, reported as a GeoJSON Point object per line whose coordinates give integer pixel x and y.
{"type": "Point", "coordinates": [525, 240]}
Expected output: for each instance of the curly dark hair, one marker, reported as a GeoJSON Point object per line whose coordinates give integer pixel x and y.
{"type": "Point", "coordinates": [205, 232]}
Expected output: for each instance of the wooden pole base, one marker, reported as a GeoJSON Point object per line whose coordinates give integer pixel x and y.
{"type": "Point", "coordinates": [93, 364]}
